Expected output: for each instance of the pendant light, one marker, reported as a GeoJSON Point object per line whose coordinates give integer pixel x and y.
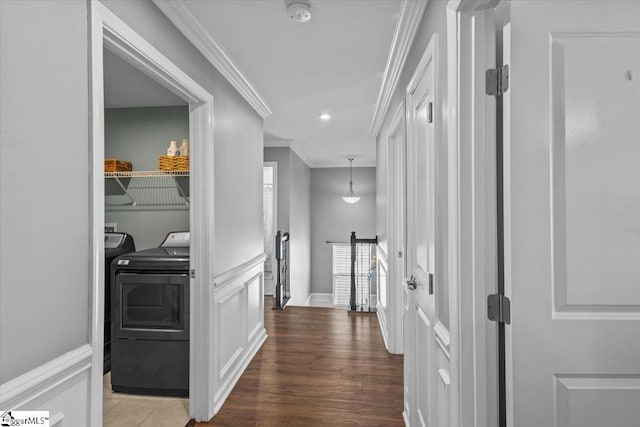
{"type": "Point", "coordinates": [351, 197]}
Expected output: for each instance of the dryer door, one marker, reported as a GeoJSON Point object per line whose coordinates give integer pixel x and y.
{"type": "Point", "coordinates": [151, 306]}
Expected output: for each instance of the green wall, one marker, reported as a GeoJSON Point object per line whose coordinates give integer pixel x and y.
{"type": "Point", "coordinates": [139, 136]}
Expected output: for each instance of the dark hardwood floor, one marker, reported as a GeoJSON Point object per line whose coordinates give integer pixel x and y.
{"type": "Point", "coordinates": [319, 367]}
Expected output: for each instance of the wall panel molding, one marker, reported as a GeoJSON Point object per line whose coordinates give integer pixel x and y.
{"type": "Point", "coordinates": [27, 387]}
{"type": "Point", "coordinates": [239, 326]}
{"type": "Point", "coordinates": [228, 276]}
{"type": "Point", "coordinates": [443, 338]}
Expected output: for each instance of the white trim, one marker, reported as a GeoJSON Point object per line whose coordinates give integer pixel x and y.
{"type": "Point", "coordinates": [228, 276]}
{"type": "Point", "coordinates": [453, 220]}
{"type": "Point", "coordinates": [302, 157]}
{"type": "Point", "coordinates": [274, 262]}
{"type": "Point", "coordinates": [411, 13]}
{"type": "Point", "coordinates": [227, 386]}
{"type": "Point", "coordinates": [382, 322]}
{"type": "Point", "coordinates": [107, 30]}
{"type": "Point", "coordinates": [341, 164]}
{"type": "Point", "coordinates": [181, 16]}
{"type": "Point", "coordinates": [290, 144]}
{"type": "Point", "coordinates": [471, 239]}
{"type": "Point", "coordinates": [325, 299]}
{"type": "Point", "coordinates": [396, 133]}
{"type": "Point", "coordinates": [444, 376]}
{"type": "Point", "coordinates": [442, 338]}
{"type": "Point", "coordinates": [56, 419]}
{"type": "Point", "coordinates": [26, 388]}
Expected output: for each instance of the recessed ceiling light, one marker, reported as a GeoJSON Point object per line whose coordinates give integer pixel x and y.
{"type": "Point", "coordinates": [324, 116]}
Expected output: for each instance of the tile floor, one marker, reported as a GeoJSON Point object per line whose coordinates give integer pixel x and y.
{"type": "Point", "coordinates": [127, 410]}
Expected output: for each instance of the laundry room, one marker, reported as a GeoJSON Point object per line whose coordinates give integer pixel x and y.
{"type": "Point", "coordinates": [146, 126]}
{"type": "Point", "coordinates": [147, 239]}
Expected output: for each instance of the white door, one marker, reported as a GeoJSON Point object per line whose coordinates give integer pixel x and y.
{"type": "Point", "coordinates": [572, 213]}
{"type": "Point", "coordinates": [420, 313]}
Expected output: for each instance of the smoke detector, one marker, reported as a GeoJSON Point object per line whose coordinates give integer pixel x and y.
{"type": "Point", "coordinates": [298, 10]}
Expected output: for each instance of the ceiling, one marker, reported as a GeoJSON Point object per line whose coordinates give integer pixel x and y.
{"type": "Point", "coordinates": [334, 63]}
{"type": "Point", "coordinates": [127, 87]}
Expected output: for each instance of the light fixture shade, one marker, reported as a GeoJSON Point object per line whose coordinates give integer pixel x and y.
{"type": "Point", "coordinates": [351, 199]}
{"type": "Point", "coordinates": [351, 196]}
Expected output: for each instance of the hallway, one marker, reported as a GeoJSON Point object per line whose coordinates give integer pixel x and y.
{"type": "Point", "coordinates": [319, 366]}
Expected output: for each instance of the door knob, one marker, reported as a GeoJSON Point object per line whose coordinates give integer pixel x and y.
{"type": "Point", "coordinates": [411, 283]}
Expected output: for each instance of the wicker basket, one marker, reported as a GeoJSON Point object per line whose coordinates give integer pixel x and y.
{"type": "Point", "coordinates": [173, 163]}
{"type": "Point", "coordinates": [115, 165]}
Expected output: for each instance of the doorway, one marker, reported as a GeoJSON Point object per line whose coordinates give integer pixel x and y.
{"type": "Point", "coordinates": [270, 223]}
{"type": "Point", "coordinates": [109, 32]}
{"type": "Point", "coordinates": [146, 198]}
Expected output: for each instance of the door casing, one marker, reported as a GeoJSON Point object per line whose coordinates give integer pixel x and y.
{"type": "Point", "coordinates": [472, 251]}
{"type": "Point", "coordinates": [110, 32]}
{"type": "Point", "coordinates": [396, 212]}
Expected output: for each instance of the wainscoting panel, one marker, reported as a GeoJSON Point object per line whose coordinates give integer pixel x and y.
{"type": "Point", "coordinates": [382, 301]}
{"type": "Point", "coordinates": [60, 386]}
{"type": "Point", "coordinates": [255, 306]}
{"type": "Point", "coordinates": [239, 328]}
{"type": "Point", "coordinates": [231, 313]}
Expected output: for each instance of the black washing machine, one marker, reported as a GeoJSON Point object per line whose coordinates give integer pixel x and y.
{"type": "Point", "coordinates": [150, 311]}
{"type": "Point", "coordinates": [115, 244]}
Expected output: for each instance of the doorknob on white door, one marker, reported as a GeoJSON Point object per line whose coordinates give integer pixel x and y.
{"type": "Point", "coordinates": [411, 283]}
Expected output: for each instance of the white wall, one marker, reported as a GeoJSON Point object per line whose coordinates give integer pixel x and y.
{"type": "Point", "coordinates": [294, 216]}
{"type": "Point", "coordinates": [333, 220]}
{"type": "Point", "coordinates": [44, 204]}
{"type": "Point", "coordinates": [44, 208]}
{"type": "Point", "coordinates": [300, 229]}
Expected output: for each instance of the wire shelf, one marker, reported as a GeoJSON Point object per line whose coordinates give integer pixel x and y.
{"type": "Point", "coordinates": [144, 174]}
{"type": "Point", "coordinates": [146, 190]}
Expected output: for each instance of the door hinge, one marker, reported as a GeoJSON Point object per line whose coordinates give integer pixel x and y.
{"type": "Point", "coordinates": [497, 80]}
{"type": "Point", "coordinates": [499, 308]}
{"type": "Point", "coordinates": [193, 274]}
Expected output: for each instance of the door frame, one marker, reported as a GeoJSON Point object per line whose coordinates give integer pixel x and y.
{"type": "Point", "coordinates": [472, 240]}
{"type": "Point", "coordinates": [274, 165]}
{"type": "Point", "coordinates": [109, 31]}
{"type": "Point", "coordinates": [396, 212]}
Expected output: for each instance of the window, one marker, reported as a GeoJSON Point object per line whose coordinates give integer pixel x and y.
{"type": "Point", "coordinates": [365, 266]}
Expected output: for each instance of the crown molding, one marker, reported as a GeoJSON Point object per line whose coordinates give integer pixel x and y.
{"type": "Point", "coordinates": [182, 17]}
{"type": "Point", "coordinates": [341, 164]}
{"type": "Point", "coordinates": [410, 15]}
{"type": "Point", "coordinates": [271, 142]}
{"type": "Point", "coordinates": [302, 157]}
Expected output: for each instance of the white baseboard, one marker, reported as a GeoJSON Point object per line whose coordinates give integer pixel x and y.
{"type": "Point", "coordinates": [318, 299]}
{"type": "Point", "coordinates": [59, 386]}
{"type": "Point", "coordinates": [382, 321]}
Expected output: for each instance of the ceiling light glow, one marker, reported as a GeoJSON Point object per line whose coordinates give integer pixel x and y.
{"type": "Point", "coordinates": [324, 116]}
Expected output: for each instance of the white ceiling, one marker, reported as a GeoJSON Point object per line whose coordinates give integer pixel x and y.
{"type": "Point", "coordinates": [335, 63]}
{"type": "Point", "coordinates": [127, 87]}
